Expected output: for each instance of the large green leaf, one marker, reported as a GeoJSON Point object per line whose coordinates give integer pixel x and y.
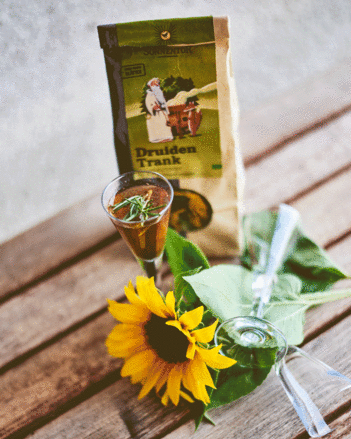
{"type": "Point", "coordinates": [308, 261]}
{"type": "Point", "coordinates": [235, 382]}
{"type": "Point", "coordinates": [227, 291]}
{"type": "Point", "coordinates": [184, 293]}
{"type": "Point", "coordinates": [183, 255]}
{"type": "Point", "coordinates": [232, 384]}
{"type": "Point", "coordinates": [224, 289]}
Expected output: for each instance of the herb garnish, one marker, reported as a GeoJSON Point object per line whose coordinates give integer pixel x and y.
{"type": "Point", "coordinates": [141, 207]}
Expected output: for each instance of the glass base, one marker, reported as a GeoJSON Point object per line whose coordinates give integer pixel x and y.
{"type": "Point", "coordinates": [252, 342]}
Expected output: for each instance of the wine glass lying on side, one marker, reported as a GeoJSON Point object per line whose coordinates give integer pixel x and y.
{"type": "Point", "coordinates": [255, 342]}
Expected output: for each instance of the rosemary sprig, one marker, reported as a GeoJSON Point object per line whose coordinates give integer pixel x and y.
{"type": "Point", "coordinates": [140, 207]}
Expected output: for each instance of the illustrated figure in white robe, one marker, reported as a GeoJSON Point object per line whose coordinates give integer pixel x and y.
{"type": "Point", "coordinates": [157, 118]}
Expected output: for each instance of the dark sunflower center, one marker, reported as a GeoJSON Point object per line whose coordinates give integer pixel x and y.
{"type": "Point", "coordinates": [169, 343]}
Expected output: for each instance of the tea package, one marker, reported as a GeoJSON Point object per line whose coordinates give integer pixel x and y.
{"type": "Point", "coordinates": [175, 112]}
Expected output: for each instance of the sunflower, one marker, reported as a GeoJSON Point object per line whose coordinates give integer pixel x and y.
{"type": "Point", "coordinates": [161, 349]}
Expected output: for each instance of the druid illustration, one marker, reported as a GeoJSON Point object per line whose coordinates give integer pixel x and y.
{"type": "Point", "coordinates": [157, 121]}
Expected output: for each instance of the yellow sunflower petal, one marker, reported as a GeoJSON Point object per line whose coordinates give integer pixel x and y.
{"type": "Point", "coordinates": [140, 361]}
{"type": "Point", "coordinates": [165, 399]}
{"type": "Point", "coordinates": [191, 319]}
{"type": "Point", "coordinates": [202, 372]}
{"type": "Point", "coordinates": [191, 348]}
{"type": "Point", "coordinates": [151, 297]}
{"type": "Point", "coordinates": [186, 396]}
{"type": "Point", "coordinates": [151, 379]}
{"type": "Point", "coordinates": [131, 295]}
{"type": "Point", "coordinates": [205, 335]}
{"type": "Point", "coordinates": [126, 313]}
{"type": "Point", "coordinates": [125, 348]}
{"type": "Point", "coordinates": [173, 383]}
{"type": "Point", "coordinates": [124, 331]}
{"type": "Point", "coordinates": [214, 359]}
{"type": "Point", "coordinates": [193, 383]}
{"type": "Point", "coordinates": [175, 323]}
{"type": "Point", "coordinates": [141, 375]}
{"type": "Point", "coordinates": [170, 303]}
{"type": "Point", "coordinates": [163, 377]}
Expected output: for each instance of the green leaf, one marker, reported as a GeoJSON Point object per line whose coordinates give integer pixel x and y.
{"type": "Point", "coordinates": [183, 290]}
{"type": "Point", "coordinates": [224, 289]}
{"type": "Point", "coordinates": [289, 317]}
{"type": "Point", "coordinates": [308, 261]}
{"type": "Point", "coordinates": [326, 296]}
{"type": "Point", "coordinates": [236, 382]}
{"type": "Point", "coordinates": [288, 287]}
{"type": "Point", "coordinates": [313, 266]}
{"type": "Point", "coordinates": [227, 291]}
{"type": "Point", "coordinates": [285, 310]}
{"type": "Point", "coordinates": [183, 255]}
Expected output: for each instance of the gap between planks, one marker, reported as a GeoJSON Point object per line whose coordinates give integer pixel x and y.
{"type": "Point", "coordinates": [295, 136]}
{"type": "Point", "coordinates": [61, 267]}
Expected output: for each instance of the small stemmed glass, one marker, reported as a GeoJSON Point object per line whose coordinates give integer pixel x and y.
{"type": "Point", "coordinates": [138, 203]}
{"type": "Point", "coordinates": [255, 342]}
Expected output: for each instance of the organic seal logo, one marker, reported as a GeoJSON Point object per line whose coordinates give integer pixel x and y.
{"type": "Point", "coordinates": [165, 35]}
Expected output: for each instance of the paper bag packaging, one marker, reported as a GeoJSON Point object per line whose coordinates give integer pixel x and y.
{"type": "Point", "coordinates": [175, 112]}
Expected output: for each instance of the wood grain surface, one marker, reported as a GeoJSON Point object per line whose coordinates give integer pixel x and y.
{"type": "Point", "coordinates": [298, 110]}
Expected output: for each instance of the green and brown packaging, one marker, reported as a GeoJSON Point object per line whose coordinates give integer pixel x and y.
{"type": "Point", "coordinates": [175, 112]}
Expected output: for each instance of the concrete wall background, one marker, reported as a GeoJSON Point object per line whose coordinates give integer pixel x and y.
{"type": "Point", "coordinates": [56, 143]}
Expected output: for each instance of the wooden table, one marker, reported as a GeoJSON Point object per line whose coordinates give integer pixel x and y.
{"type": "Point", "coordinates": [57, 380]}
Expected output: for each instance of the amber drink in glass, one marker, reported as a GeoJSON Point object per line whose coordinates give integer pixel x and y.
{"type": "Point", "coordinates": [145, 234]}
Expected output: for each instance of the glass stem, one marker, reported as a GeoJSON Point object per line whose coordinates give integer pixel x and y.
{"type": "Point", "coordinates": [257, 307]}
{"type": "Point", "coordinates": [262, 296]}
{"type": "Point", "coordinates": [151, 268]}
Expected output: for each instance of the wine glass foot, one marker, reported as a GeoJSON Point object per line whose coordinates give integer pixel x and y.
{"type": "Point", "coordinates": [251, 341]}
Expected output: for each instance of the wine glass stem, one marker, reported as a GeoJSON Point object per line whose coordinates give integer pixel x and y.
{"type": "Point", "coordinates": [150, 269]}
{"type": "Point", "coordinates": [257, 307]}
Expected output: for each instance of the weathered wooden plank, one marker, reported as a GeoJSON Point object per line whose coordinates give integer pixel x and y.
{"type": "Point", "coordinates": [341, 255]}
{"type": "Point", "coordinates": [298, 166]}
{"type": "Point", "coordinates": [76, 367]}
{"type": "Point", "coordinates": [267, 412]}
{"type": "Point", "coordinates": [341, 427]}
{"type": "Point", "coordinates": [52, 307]}
{"type": "Point", "coordinates": [29, 256]}
{"type": "Point", "coordinates": [329, 205]}
{"type": "Point", "coordinates": [42, 248]}
{"type": "Point", "coordinates": [97, 418]}
{"type": "Point", "coordinates": [296, 110]}
{"type": "Point", "coordinates": [43, 383]}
